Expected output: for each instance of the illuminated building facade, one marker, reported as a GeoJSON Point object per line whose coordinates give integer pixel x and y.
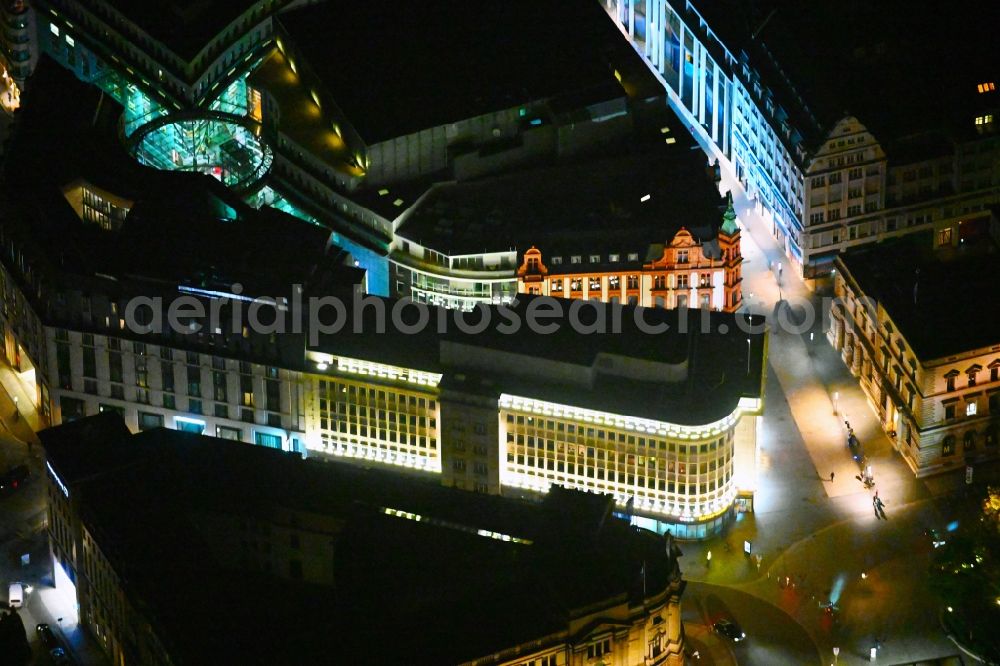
{"type": "Point", "coordinates": [720, 97]}
{"type": "Point", "coordinates": [647, 228]}
{"type": "Point", "coordinates": [320, 540]}
{"type": "Point", "coordinates": [688, 272]}
{"type": "Point", "coordinates": [515, 414]}
{"type": "Point", "coordinates": [750, 90]}
{"type": "Point", "coordinates": [934, 382]}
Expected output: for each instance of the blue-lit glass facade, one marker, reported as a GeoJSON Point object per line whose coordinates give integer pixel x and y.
{"type": "Point", "coordinates": [723, 104]}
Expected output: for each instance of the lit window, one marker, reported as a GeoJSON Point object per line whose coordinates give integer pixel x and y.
{"type": "Point", "coordinates": [970, 409]}
{"type": "Point", "coordinates": [70, 41]}
{"type": "Point", "coordinates": [54, 28]}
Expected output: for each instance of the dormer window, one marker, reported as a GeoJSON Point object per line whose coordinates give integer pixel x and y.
{"type": "Point", "coordinates": [950, 379]}
{"type": "Point", "coordinates": [595, 258]}
{"type": "Point", "coordinates": [682, 256]}
{"type": "Point", "coordinates": [633, 256]}
{"type": "Point", "coordinates": [575, 259]}
{"type": "Point", "coordinates": [556, 261]}
{"type": "Point", "coordinates": [972, 373]}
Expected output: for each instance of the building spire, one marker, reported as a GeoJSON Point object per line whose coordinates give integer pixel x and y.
{"type": "Point", "coordinates": [729, 218]}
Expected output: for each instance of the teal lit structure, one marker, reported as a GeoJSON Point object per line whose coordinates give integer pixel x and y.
{"type": "Point", "coordinates": [189, 106]}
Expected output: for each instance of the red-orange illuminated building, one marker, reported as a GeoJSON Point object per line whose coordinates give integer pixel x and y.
{"type": "Point", "coordinates": [695, 270]}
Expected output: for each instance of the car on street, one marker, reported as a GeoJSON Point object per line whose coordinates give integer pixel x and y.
{"type": "Point", "coordinates": [15, 595]}
{"type": "Point", "coordinates": [935, 537]}
{"type": "Point", "coordinates": [45, 635]}
{"type": "Point", "coordinates": [730, 630]}
{"type": "Point", "coordinates": [13, 478]}
{"type": "Point", "coordinates": [59, 657]}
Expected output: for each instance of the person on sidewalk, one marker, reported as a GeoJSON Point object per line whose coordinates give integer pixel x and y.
{"type": "Point", "coordinates": [831, 477]}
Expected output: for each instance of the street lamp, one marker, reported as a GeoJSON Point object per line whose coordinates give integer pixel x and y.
{"type": "Point", "coordinates": [836, 655]}
{"type": "Point", "coordinates": [836, 396]}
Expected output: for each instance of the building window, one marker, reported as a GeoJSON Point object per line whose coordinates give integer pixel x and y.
{"type": "Point", "coordinates": [194, 380]}
{"type": "Point", "coordinates": [951, 383]}
{"type": "Point", "coordinates": [969, 441]}
{"type": "Point", "coordinates": [633, 256]}
{"type": "Point", "coordinates": [575, 259]}
{"type": "Point", "coordinates": [222, 411]}
{"type": "Point", "coordinates": [948, 446]}
{"type": "Point", "coordinates": [148, 420]}
{"type": "Point", "coordinates": [682, 256]}
{"type": "Point", "coordinates": [556, 286]}
{"type": "Point", "coordinates": [632, 282]}
{"type": "Point", "coordinates": [949, 411]}
{"type": "Point", "coordinates": [234, 434]}
{"type": "Point", "coordinates": [970, 408]}
{"type": "Point", "coordinates": [267, 440]}
{"type": "Point", "coordinates": [600, 649]}
{"type": "Point", "coordinates": [944, 236]}
{"type": "Point", "coordinates": [194, 406]}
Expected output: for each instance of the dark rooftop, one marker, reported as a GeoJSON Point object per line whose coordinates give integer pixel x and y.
{"type": "Point", "coordinates": [901, 69]}
{"type": "Point", "coordinates": [184, 26]}
{"type": "Point", "coordinates": [715, 353]}
{"type": "Point", "coordinates": [942, 302]}
{"type": "Point", "coordinates": [396, 67]}
{"type": "Point", "coordinates": [578, 208]}
{"type": "Point", "coordinates": [145, 519]}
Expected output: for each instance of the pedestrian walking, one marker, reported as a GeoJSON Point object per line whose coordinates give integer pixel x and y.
{"type": "Point", "coordinates": [831, 477]}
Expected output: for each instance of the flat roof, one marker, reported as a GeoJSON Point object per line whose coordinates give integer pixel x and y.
{"type": "Point", "coordinates": [396, 67]}
{"type": "Point", "coordinates": [712, 346]}
{"type": "Point", "coordinates": [184, 26]}
{"type": "Point", "coordinates": [899, 70]}
{"type": "Point", "coordinates": [942, 302]}
{"type": "Point", "coordinates": [575, 208]}
{"type": "Point", "coordinates": [424, 577]}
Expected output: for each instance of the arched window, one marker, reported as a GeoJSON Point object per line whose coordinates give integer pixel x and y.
{"type": "Point", "coordinates": [948, 445]}
{"type": "Point", "coordinates": [969, 441]}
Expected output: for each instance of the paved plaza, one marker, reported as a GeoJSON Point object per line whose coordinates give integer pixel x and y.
{"type": "Point", "coordinates": [819, 541]}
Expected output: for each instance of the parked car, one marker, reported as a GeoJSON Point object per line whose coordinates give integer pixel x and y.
{"type": "Point", "coordinates": [15, 595]}
{"type": "Point", "coordinates": [45, 635]}
{"type": "Point", "coordinates": [730, 630]}
{"type": "Point", "coordinates": [14, 478]}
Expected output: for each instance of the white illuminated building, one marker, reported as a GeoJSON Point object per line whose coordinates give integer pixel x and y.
{"type": "Point", "coordinates": [482, 413]}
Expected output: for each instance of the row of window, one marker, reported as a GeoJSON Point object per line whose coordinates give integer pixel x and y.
{"type": "Point", "coordinates": [597, 258]}
{"type": "Point", "coordinates": [969, 441]}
